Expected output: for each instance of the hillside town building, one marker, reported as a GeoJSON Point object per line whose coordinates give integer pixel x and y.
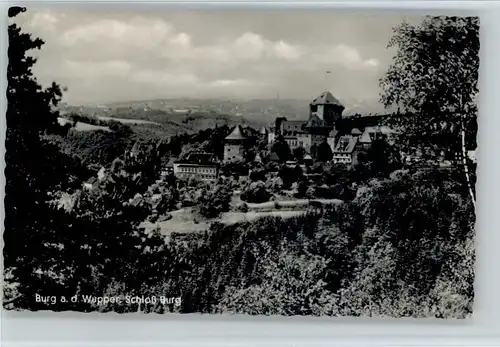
{"type": "Point", "coordinates": [346, 150]}
{"type": "Point", "coordinates": [168, 168]}
{"type": "Point", "coordinates": [202, 166]}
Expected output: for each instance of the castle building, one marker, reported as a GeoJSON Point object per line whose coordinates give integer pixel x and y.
{"type": "Point", "coordinates": [327, 108]}
{"type": "Point", "coordinates": [234, 144]}
{"type": "Point", "coordinates": [346, 136]}
{"type": "Point", "coordinates": [324, 111]}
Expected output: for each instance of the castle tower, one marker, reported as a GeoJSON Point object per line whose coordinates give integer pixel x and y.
{"type": "Point", "coordinates": [327, 108]}
{"type": "Point", "coordinates": [263, 133]}
{"type": "Point", "coordinates": [234, 145]}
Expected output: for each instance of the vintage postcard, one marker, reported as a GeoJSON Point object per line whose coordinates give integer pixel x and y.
{"type": "Point", "coordinates": [264, 162]}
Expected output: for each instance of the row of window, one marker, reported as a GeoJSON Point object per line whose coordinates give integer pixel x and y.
{"type": "Point", "coordinates": [342, 160]}
{"type": "Point", "coordinates": [208, 177]}
{"type": "Point", "coordinates": [196, 170]}
{"type": "Point", "coordinates": [203, 177]}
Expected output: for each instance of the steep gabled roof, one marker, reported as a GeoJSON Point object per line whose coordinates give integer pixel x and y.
{"type": "Point", "coordinates": [171, 162]}
{"type": "Point", "coordinates": [274, 157]}
{"type": "Point", "coordinates": [326, 98]}
{"type": "Point", "coordinates": [346, 144]}
{"type": "Point", "coordinates": [200, 158]}
{"type": "Point", "coordinates": [365, 138]}
{"type": "Point", "coordinates": [236, 134]}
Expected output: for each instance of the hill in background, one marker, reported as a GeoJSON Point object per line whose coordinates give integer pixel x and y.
{"type": "Point", "coordinates": [166, 117]}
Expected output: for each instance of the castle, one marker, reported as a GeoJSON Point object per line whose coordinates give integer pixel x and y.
{"type": "Point", "coordinates": [324, 111]}
{"type": "Point", "coordinates": [324, 124]}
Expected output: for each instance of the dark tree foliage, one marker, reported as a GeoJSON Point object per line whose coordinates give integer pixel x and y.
{"type": "Point", "coordinates": [215, 200]}
{"type": "Point", "coordinates": [235, 168]}
{"type": "Point", "coordinates": [324, 152]}
{"type": "Point", "coordinates": [49, 251]}
{"type": "Point", "coordinates": [433, 82]}
{"type": "Point", "coordinates": [15, 10]}
{"type": "Point", "coordinates": [35, 171]}
{"type": "Point", "coordinates": [282, 149]}
{"type": "Point", "coordinates": [257, 174]}
{"type": "Point", "coordinates": [97, 148]}
{"type": "Point", "coordinates": [290, 175]}
{"type": "Point", "coordinates": [380, 159]}
{"type": "Point", "coordinates": [256, 192]}
{"type": "Point", "coordinates": [298, 154]}
{"type": "Point", "coordinates": [358, 258]}
{"type": "Point", "coordinates": [434, 78]}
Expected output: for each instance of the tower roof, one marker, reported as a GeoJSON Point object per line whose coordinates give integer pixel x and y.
{"type": "Point", "coordinates": [326, 98]}
{"type": "Point", "coordinates": [236, 134]}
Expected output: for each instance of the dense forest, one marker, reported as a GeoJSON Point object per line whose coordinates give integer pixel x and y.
{"type": "Point", "coordinates": [401, 243]}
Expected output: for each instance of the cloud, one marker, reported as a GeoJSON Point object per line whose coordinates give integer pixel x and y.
{"type": "Point", "coordinates": [346, 56]}
{"type": "Point", "coordinates": [286, 51]}
{"type": "Point", "coordinates": [249, 46]}
{"type": "Point", "coordinates": [372, 62]}
{"type": "Point", "coordinates": [44, 20]}
{"type": "Point", "coordinates": [138, 32]}
{"type": "Point", "coordinates": [88, 69]}
{"type": "Point", "coordinates": [141, 54]}
{"type": "Point", "coordinates": [158, 37]}
{"type": "Point", "coordinates": [246, 47]}
{"type": "Point", "coordinates": [230, 83]}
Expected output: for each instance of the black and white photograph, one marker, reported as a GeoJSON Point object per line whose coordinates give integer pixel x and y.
{"type": "Point", "coordinates": [256, 162]}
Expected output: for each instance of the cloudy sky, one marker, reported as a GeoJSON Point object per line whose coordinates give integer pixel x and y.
{"type": "Point", "coordinates": [105, 56]}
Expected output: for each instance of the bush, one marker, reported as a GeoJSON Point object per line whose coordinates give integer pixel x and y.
{"type": "Point", "coordinates": [214, 200]}
{"type": "Point", "coordinates": [256, 193]}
